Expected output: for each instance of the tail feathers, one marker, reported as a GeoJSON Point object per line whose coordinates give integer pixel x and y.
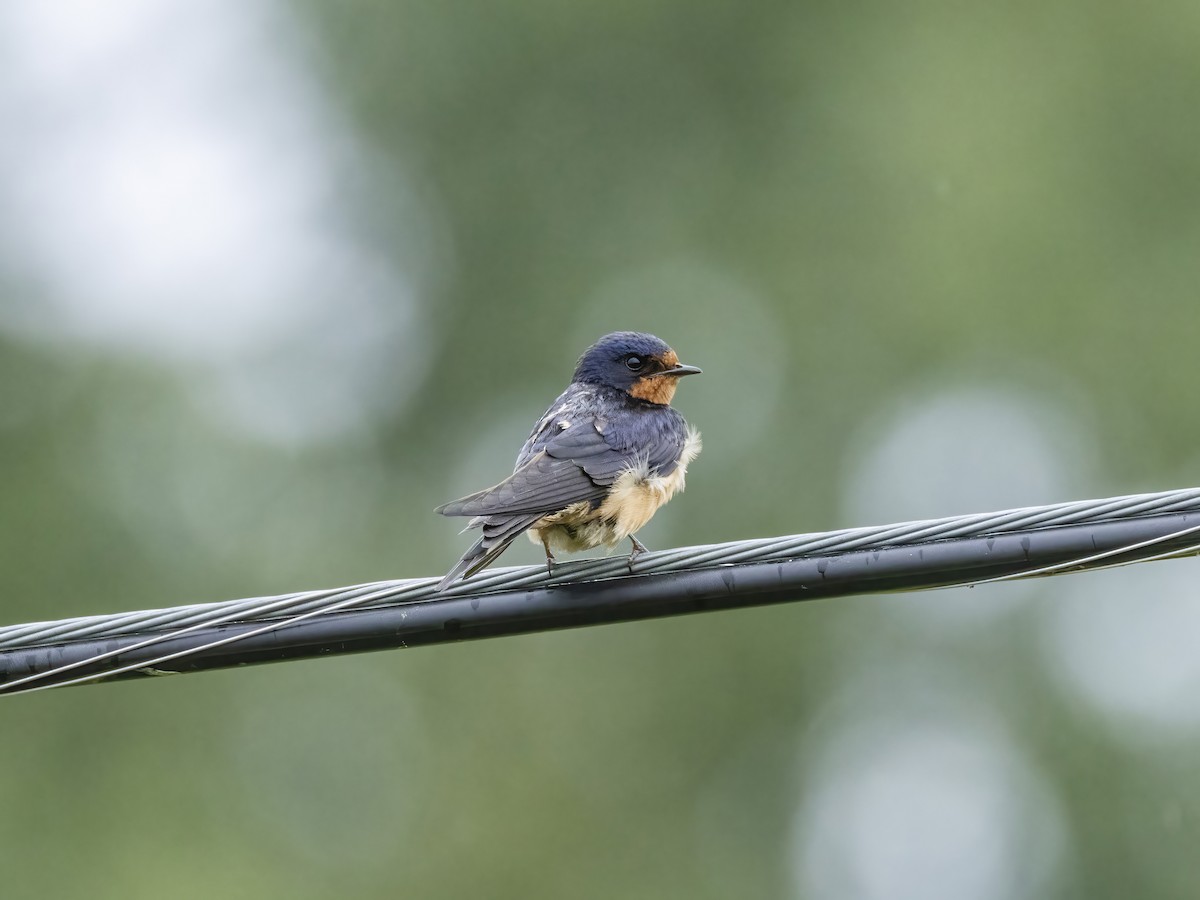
{"type": "Point", "coordinates": [469, 558]}
{"type": "Point", "coordinates": [498, 533]}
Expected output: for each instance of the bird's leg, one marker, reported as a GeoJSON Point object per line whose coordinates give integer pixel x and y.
{"type": "Point", "coordinates": [638, 549]}
{"type": "Point", "coordinates": [549, 556]}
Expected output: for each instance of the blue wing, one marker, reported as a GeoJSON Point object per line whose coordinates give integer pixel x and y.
{"type": "Point", "coordinates": [576, 456]}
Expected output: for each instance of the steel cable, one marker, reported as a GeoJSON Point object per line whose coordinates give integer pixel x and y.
{"type": "Point", "coordinates": [120, 637]}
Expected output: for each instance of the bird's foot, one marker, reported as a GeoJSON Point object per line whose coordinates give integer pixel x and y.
{"type": "Point", "coordinates": [638, 549]}
{"type": "Point", "coordinates": [549, 558]}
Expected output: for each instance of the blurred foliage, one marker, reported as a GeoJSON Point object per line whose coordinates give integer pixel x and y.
{"type": "Point", "coordinates": [833, 211]}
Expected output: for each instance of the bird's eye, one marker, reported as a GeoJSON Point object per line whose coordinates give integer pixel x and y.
{"type": "Point", "coordinates": [633, 362]}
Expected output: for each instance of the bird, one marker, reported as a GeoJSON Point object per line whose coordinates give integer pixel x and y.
{"type": "Point", "coordinates": [598, 464]}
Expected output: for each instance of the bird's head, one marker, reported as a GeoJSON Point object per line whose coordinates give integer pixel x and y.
{"type": "Point", "coordinates": [639, 364]}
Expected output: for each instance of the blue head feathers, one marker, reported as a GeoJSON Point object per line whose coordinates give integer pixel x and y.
{"type": "Point", "coordinates": [622, 358]}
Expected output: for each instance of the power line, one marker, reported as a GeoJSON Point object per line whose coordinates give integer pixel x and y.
{"type": "Point", "coordinates": [908, 556]}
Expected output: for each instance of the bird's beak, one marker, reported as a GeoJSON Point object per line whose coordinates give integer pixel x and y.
{"type": "Point", "coordinates": [678, 371]}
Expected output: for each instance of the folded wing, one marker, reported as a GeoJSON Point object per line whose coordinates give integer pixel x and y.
{"type": "Point", "coordinates": [575, 465]}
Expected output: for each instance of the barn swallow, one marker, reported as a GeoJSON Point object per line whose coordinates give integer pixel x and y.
{"type": "Point", "coordinates": [599, 463]}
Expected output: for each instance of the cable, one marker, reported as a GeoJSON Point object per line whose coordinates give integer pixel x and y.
{"type": "Point", "coordinates": [412, 590]}
{"type": "Point", "coordinates": [912, 555]}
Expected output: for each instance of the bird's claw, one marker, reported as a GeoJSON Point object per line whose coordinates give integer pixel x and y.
{"type": "Point", "coordinates": [638, 549]}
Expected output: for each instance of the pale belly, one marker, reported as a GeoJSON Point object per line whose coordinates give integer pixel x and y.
{"type": "Point", "coordinates": [632, 501]}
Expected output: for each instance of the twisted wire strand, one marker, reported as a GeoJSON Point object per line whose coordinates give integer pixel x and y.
{"type": "Point", "coordinates": [296, 608]}
{"type": "Point", "coordinates": [183, 619]}
{"type": "Point", "coordinates": [1088, 562]}
{"type": "Point", "coordinates": [23, 685]}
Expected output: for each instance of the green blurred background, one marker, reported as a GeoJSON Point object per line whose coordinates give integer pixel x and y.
{"type": "Point", "coordinates": [276, 279]}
